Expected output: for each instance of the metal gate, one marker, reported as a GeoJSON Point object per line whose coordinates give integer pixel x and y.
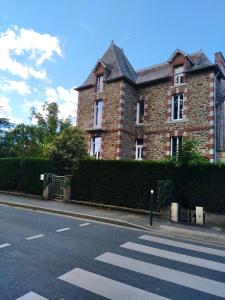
{"type": "Point", "coordinates": [57, 187]}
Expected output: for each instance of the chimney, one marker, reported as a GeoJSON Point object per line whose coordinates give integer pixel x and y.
{"type": "Point", "coordinates": [220, 61]}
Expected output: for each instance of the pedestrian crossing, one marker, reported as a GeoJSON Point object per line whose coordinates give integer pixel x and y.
{"type": "Point", "coordinates": [150, 263]}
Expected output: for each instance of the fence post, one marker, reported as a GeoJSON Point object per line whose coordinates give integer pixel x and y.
{"type": "Point", "coordinates": [67, 188]}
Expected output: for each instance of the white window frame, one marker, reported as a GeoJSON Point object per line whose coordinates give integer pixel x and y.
{"type": "Point", "coordinates": [139, 151]}
{"type": "Point", "coordinates": [179, 75]}
{"type": "Point", "coordinates": [138, 113]}
{"type": "Point", "coordinates": [177, 138]}
{"type": "Point", "coordinates": [96, 152]}
{"type": "Point", "coordinates": [180, 107]}
{"type": "Point", "coordinates": [97, 115]}
{"type": "Point", "coordinates": [99, 84]}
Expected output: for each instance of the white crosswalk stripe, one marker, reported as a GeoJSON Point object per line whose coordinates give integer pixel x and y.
{"type": "Point", "coordinates": [107, 287]}
{"type": "Point", "coordinates": [183, 245]}
{"type": "Point", "coordinates": [181, 278]}
{"type": "Point", "coordinates": [205, 263]}
{"type": "Point", "coordinates": [31, 296]}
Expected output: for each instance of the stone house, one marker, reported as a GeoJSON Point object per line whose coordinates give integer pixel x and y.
{"type": "Point", "coordinates": [145, 114]}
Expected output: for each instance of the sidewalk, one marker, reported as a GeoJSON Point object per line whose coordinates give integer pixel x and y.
{"type": "Point", "coordinates": [117, 217]}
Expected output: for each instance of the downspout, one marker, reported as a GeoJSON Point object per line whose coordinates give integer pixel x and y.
{"type": "Point", "coordinates": [215, 120]}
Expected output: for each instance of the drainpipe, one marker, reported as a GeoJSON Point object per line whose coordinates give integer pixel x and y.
{"type": "Point", "coordinates": [215, 128]}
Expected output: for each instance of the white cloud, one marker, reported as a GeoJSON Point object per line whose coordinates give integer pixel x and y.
{"type": "Point", "coordinates": [15, 44]}
{"type": "Point", "coordinates": [20, 87]}
{"type": "Point", "coordinates": [5, 110]}
{"type": "Point", "coordinates": [66, 99]}
{"type": "Point", "coordinates": [4, 106]}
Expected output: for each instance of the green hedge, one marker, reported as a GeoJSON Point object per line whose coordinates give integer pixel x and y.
{"type": "Point", "coordinates": [123, 183]}
{"type": "Point", "coordinates": [128, 183]}
{"type": "Point", "coordinates": [23, 175]}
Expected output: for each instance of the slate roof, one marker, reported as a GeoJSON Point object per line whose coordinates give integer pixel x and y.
{"type": "Point", "coordinates": [163, 70]}
{"type": "Point", "coordinates": [119, 66]}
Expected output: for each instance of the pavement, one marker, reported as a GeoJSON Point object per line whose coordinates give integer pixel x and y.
{"type": "Point", "coordinates": [116, 217]}
{"type": "Point", "coordinates": [55, 257]}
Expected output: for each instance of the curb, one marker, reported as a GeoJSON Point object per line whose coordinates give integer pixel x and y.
{"type": "Point", "coordinates": [112, 221]}
{"type": "Point", "coordinates": [76, 215]}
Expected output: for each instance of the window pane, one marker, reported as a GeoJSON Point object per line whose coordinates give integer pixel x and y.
{"type": "Point", "coordinates": [175, 107]}
{"type": "Point", "coordinates": [98, 113]}
{"type": "Point", "coordinates": [99, 84]}
{"type": "Point", "coordinates": [141, 113]}
{"type": "Point", "coordinates": [181, 107]}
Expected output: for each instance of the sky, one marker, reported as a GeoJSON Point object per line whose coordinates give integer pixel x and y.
{"type": "Point", "coordinates": [49, 47]}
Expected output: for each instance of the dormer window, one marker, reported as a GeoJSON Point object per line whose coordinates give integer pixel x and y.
{"type": "Point", "coordinates": [99, 84]}
{"type": "Point", "coordinates": [178, 75]}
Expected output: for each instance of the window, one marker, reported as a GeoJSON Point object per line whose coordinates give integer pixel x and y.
{"type": "Point", "coordinates": [139, 149]}
{"type": "Point", "coordinates": [176, 143]}
{"type": "Point", "coordinates": [96, 147]}
{"type": "Point", "coordinates": [177, 107]}
{"type": "Point", "coordinates": [140, 113]}
{"type": "Point", "coordinates": [98, 113]}
{"type": "Point", "coordinates": [99, 84]}
{"type": "Point", "coordinates": [178, 75]}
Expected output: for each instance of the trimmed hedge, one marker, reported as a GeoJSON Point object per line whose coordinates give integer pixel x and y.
{"type": "Point", "coordinates": [128, 183]}
{"type": "Point", "coordinates": [123, 183]}
{"type": "Point", "coordinates": [23, 175]}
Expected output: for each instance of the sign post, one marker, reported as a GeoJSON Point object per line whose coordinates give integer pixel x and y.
{"type": "Point", "coordinates": [151, 206]}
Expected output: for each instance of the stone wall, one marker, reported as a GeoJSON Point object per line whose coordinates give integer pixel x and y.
{"type": "Point", "coordinates": [158, 127]}
{"type": "Point", "coordinates": [119, 129]}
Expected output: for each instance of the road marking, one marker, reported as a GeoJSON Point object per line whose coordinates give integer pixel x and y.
{"type": "Point", "coordinates": [4, 245]}
{"type": "Point", "coordinates": [35, 237]}
{"type": "Point", "coordinates": [184, 279]}
{"type": "Point", "coordinates": [62, 229]}
{"type": "Point", "coordinates": [31, 296]}
{"type": "Point", "coordinates": [106, 287]}
{"type": "Point", "coordinates": [84, 224]}
{"type": "Point", "coordinates": [200, 262]}
{"type": "Point", "coordinates": [183, 245]}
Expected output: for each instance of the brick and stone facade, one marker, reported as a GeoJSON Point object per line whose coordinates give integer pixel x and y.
{"type": "Point", "coordinates": [203, 110]}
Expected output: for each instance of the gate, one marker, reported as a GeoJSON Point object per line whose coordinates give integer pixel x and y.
{"type": "Point", "coordinates": [57, 187]}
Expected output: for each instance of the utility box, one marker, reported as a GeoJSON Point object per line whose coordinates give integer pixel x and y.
{"type": "Point", "coordinates": [174, 213]}
{"type": "Point", "coordinates": [200, 215]}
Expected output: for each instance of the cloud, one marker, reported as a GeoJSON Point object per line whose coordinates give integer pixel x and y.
{"type": "Point", "coordinates": [66, 99]}
{"type": "Point", "coordinates": [20, 87]}
{"type": "Point", "coordinates": [5, 110]}
{"type": "Point", "coordinates": [4, 106]}
{"type": "Point", "coordinates": [18, 44]}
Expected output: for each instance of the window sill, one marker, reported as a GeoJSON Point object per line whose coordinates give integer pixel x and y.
{"type": "Point", "coordinates": [97, 129]}
{"type": "Point", "coordinates": [178, 85]}
{"type": "Point", "coordinates": [139, 125]}
{"type": "Point", "coordinates": [177, 121]}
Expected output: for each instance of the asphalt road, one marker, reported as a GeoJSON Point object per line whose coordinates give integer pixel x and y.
{"type": "Point", "coordinates": [44, 256]}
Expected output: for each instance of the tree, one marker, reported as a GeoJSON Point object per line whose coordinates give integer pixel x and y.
{"type": "Point", "coordinates": [189, 154]}
{"type": "Point", "coordinates": [24, 140]}
{"type": "Point", "coordinates": [49, 122]}
{"type": "Point", "coordinates": [67, 149]}
{"type": "Point", "coordinates": [33, 140]}
{"type": "Point", "coordinates": [4, 124]}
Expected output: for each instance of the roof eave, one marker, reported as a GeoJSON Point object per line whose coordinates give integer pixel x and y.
{"type": "Point", "coordinates": [83, 87]}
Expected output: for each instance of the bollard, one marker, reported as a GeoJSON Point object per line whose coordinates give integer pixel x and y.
{"type": "Point", "coordinates": [200, 215]}
{"type": "Point", "coordinates": [174, 213]}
